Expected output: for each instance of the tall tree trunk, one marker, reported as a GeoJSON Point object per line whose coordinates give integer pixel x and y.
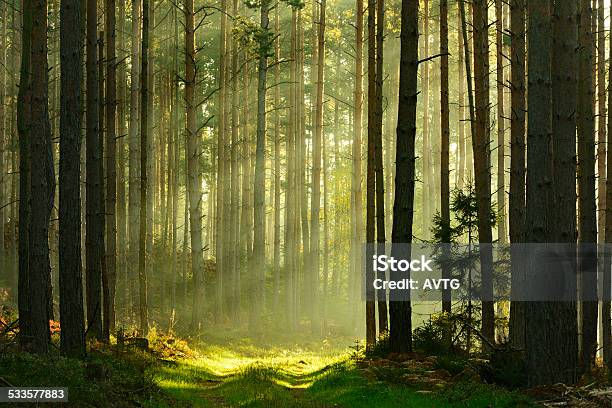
{"type": "Point", "coordinates": [607, 276]}
{"type": "Point", "coordinates": [277, 163]}
{"type": "Point", "coordinates": [445, 145]}
{"type": "Point", "coordinates": [111, 168]}
{"type": "Point", "coordinates": [564, 77]}
{"type": "Point", "coordinates": [221, 159]}
{"type": "Point", "coordinates": [3, 140]}
{"type": "Point", "coordinates": [26, 321]}
{"type": "Point", "coordinates": [501, 125]}
{"type": "Point", "coordinates": [175, 164]}
{"type": "Point", "coordinates": [291, 215]}
{"type": "Point", "coordinates": [426, 160]}
{"type": "Point", "coordinates": [134, 157]}
{"type": "Point", "coordinates": [587, 225]}
{"type": "Point", "coordinates": [378, 157]}
{"type": "Point", "coordinates": [42, 183]}
{"type": "Point", "coordinates": [233, 246]}
{"type": "Point", "coordinates": [144, 135]}
{"type": "Point", "coordinates": [259, 258]}
{"type": "Point", "coordinates": [400, 339]}
{"type": "Point", "coordinates": [315, 206]}
{"type": "Point", "coordinates": [371, 176]}
{"type": "Point", "coordinates": [94, 235]}
{"type": "Point", "coordinates": [601, 120]}
{"type": "Point", "coordinates": [482, 159]}
{"type": "Point", "coordinates": [72, 341]}
{"type": "Point", "coordinates": [516, 200]}
{"type": "Point", "coordinates": [121, 165]}
{"type": "Point", "coordinates": [193, 171]}
{"type": "Point", "coordinates": [601, 168]}
{"type": "Point", "coordinates": [357, 200]}
{"type": "Point", "coordinates": [539, 188]}
{"type": "Point", "coordinates": [461, 150]}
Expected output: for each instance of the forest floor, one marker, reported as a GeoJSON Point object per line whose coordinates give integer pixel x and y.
{"type": "Point", "coordinates": [231, 369]}
{"type": "Point", "coordinates": [247, 373]}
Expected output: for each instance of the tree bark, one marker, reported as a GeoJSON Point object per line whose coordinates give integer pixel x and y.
{"type": "Point", "coordinates": [193, 171]}
{"type": "Point", "coordinates": [259, 258]}
{"type": "Point", "coordinates": [26, 321]}
{"type": "Point", "coordinates": [445, 146]}
{"type": "Point", "coordinates": [72, 341]}
{"type": "Point", "coordinates": [315, 206]}
{"type": "Point", "coordinates": [482, 159]}
{"type": "Point", "coordinates": [134, 157]}
{"type": "Point", "coordinates": [501, 125]}
{"type": "Point", "coordinates": [378, 158]}
{"type": "Point", "coordinates": [400, 339]}
{"type": "Point", "coordinates": [42, 184]}
{"type": "Point", "coordinates": [516, 200]}
{"type": "Point", "coordinates": [587, 224]}
{"type": "Point", "coordinates": [111, 168]}
{"type": "Point", "coordinates": [144, 135]}
{"type": "Point", "coordinates": [356, 190]}
{"type": "Point", "coordinates": [94, 235]}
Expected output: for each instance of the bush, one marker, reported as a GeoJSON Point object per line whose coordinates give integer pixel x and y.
{"type": "Point", "coordinates": [381, 348]}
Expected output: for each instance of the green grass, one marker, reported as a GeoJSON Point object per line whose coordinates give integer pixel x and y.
{"type": "Point", "coordinates": [247, 373]}
{"type": "Point", "coordinates": [237, 371]}
{"type": "Point", "coordinates": [101, 380]}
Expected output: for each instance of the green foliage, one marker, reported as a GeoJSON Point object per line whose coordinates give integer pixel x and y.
{"type": "Point", "coordinates": [430, 337]}
{"type": "Point", "coordinates": [119, 381]}
{"type": "Point", "coordinates": [452, 363]}
{"type": "Point", "coordinates": [381, 348]}
{"type": "Point", "coordinates": [254, 39]}
{"type": "Point", "coordinates": [464, 209]}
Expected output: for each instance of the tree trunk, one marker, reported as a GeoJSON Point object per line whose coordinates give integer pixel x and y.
{"type": "Point", "coordinates": [277, 164]}
{"type": "Point", "coordinates": [516, 200]}
{"type": "Point", "coordinates": [233, 246]}
{"type": "Point", "coordinates": [291, 219]}
{"type": "Point", "coordinates": [482, 160]}
{"type": "Point", "coordinates": [3, 142]}
{"type": "Point", "coordinates": [378, 158]}
{"type": "Point", "coordinates": [26, 322]}
{"type": "Point", "coordinates": [70, 282]}
{"type": "Point", "coordinates": [564, 77]}
{"type": "Point", "coordinates": [357, 201]}
{"type": "Point", "coordinates": [222, 158]}
{"type": "Point", "coordinates": [315, 206]}
{"type": "Point", "coordinates": [134, 158]}
{"type": "Point", "coordinates": [259, 258]}
{"type": "Point", "coordinates": [111, 169]}
{"type": "Point", "coordinates": [144, 135]}
{"type": "Point", "coordinates": [400, 339]}
{"type": "Point", "coordinates": [94, 235]}
{"type": "Point", "coordinates": [607, 277]}
{"type": "Point", "coordinates": [461, 150]}
{"type": "Point", "coordinates": [193, 171]}
{"type": "Point", "coordinates": [601, 167]}
{"type": "Point", "coordinates": [42, 183]}
{"type": "Point", "coordinates": [426, 164]}
{"type": "Point", "coordinates": [121, 220]}
{"type": "Point", "coordinates": [371, 176]}
{"type": "Point", "coordinates": [587, 225]}
{"type": "Point", "coordinates": [501, 126]}
{"type": "Point", "coordinates": [445, 142]}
